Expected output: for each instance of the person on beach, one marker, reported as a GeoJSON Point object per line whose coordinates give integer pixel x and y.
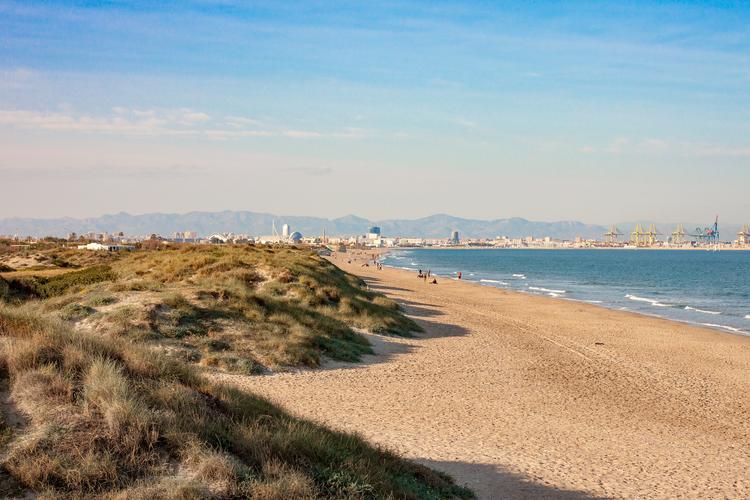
{"type": "Point", "coordinates": [429, 272]}
{"type": "Point", "coordinates": [420, 274]}
{"type": "Point", "coordinates": [434, 281]}
{"type": "Point", "coordinates": [459, 275]}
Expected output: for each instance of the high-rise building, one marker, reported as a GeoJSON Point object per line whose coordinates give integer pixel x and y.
{"type": "Point", "coordinates": [285, 231]}
{"type": "Point", "coordinates": [455, 240]}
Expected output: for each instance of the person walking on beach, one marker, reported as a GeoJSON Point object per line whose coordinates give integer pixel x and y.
{"type": "Point", "coordinates": [459, 275]}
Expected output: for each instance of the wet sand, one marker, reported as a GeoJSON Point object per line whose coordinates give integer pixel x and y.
{"type": "Point", "coordinates": [520, 396]}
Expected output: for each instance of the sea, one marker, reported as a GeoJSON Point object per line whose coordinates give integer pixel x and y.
{"type": "Point", "coordinates": [704, 288]}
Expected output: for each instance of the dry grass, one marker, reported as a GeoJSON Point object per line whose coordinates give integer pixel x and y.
{"type": "Point", "coordinates": [237, 308]}
{"type": "Point", "coordinates": [106, 416]}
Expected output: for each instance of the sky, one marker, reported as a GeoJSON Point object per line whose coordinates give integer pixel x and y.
{"type": "Point", "coordinates": [594, 111]}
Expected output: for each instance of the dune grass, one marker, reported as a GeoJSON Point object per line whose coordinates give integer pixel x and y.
{"type": "Point", "coordinates": [98, 415]}
{"type": "Point", "coordinates": [239, 308]}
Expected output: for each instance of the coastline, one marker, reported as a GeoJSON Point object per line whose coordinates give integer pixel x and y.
{"type": "Point", "coordinates": [491, 283]}
{"type": "Point", "coordinates": [518, 395]}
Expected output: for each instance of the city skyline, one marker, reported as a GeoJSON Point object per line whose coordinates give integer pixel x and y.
{"type": "Point", "coordinates": [543, 111]}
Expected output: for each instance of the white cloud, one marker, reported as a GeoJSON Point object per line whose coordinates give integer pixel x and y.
{"type": "Point", "coordinates": [159, 122]}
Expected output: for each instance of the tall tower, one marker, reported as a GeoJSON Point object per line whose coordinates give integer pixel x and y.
{"type": "Point", "coordinates": [285, 231]}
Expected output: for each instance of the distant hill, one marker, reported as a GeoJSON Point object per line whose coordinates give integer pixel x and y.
{"type": "Point", "coordinates": [254, 223]}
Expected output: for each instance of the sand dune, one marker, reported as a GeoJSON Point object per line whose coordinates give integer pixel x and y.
{"type": "Point", "coordinates": [521, 396]}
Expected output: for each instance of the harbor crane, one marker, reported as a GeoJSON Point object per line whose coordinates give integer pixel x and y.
{"type": "Point", "coordinates": [638, 236]}
{"type": "Point", "coordinates": [651, 234]}
{"type": "Point", "coordinates": [612, 235]}
{"type": "Point", "coordinates": [743, 237]}
{"type": "Point", "coordinates": [678, 235]}
{"type": "Point", "coordinates": [708, 235]}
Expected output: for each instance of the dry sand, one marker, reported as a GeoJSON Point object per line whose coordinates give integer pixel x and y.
{"type": "Point", "coordinates": [519, 396]}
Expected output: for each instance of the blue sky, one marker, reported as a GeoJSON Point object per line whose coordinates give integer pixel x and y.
{"type": "Point", "coordinates": [596, 111]}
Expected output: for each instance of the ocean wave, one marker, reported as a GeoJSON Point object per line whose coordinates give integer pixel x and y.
{"type": "Point", "coordinates": [520, 276]}
{"type": "Point", "coordinates": [539, 289]}
{"type": "Point", "coordinates": [688, 308]}
{"type": "Point", "coordinates": [493, 281]}
{"type": "Point", "coordinates": [747, 317]}
{"type": "Point", "coordinates": [594, 301]}
{"type": "Point", "coordinates": [653, 302]}
{"type": "Point", "coordinates": [552, 294]}
{"type": "Point", "coordinates": [723, 327]}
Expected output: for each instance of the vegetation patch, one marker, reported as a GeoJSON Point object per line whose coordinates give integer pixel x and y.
{"type": "Point", "coordinates": [106, 416]}
{"type": "Point", "coordinates": [76, 312]}
{"type": "Point", "coordinates": [41, 287]}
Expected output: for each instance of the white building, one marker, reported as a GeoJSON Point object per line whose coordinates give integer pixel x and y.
{"type": "Point", "coordinates": [105, 247]}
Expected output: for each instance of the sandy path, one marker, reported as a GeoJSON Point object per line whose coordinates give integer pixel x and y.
{"type": "Point", "coordinates": [522, 396]}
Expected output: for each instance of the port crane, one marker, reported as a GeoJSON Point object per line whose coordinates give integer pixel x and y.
{"type": "Point", "coordinates": [612, 235]}
{"type": "Point", "coordinates": [651, 234]}
{"type": "Point", "coordinates": [743, 237]}
{"type": "Point", "coordinates": [678, 235]}
{"type": "Point", "coordinates": [708, 235]}
{"type": "Point", "coordinates": [638, 236]}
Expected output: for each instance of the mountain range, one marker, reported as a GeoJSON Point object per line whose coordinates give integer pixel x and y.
{"type": "Point", "coordinates": [254, 223]}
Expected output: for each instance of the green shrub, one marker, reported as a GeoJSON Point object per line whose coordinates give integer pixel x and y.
{"type": "Point", "coordinates": [75, 312]}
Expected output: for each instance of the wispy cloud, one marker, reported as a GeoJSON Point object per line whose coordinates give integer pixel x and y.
{"type": "Point", "coordinates": [161, 122]}
{"type": "Point", "coordinates": [654, 146]}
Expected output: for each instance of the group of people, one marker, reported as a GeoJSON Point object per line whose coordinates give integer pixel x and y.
{"type": "Point", "coordinates": [375, 263]}
{"type": "Point", "coordinates": [426, 275]}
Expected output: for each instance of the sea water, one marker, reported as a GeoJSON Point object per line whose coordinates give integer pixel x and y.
{"type": "Point", "coordinates": [701, 287]}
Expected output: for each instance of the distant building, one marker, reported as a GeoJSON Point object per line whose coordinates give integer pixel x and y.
{"type": "Point", "coordinates": [104, 247]}
{"type": "Point", "coordinates": [185, 237]}
{"type": "Point", "coordinates": [285, 231]}
{"type": "Point", "coordinates": [373, 233]}
{"type": "Point", "coordinates": [454, 239]}
{"type": "Point", "coordinates": [295, 237]}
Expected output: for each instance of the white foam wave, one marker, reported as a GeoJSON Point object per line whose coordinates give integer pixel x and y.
{"type": "Point", "coordinates": [688, 308]}
{"type": "Point", "coordinates": [723, 327]}
{"type": "Point", "coordinates": [747, 317]}
{"type": "Point", "coordinates": [539, 289]}
{"type": "Point", "coordinates": [552, 294]}
{"type": "Point", "coordinates": [493, 281]}
{"type": "Point", "coordinates": [520, 276]}
{"type": "Point", "coordinates": [594, 301]}
{"type": "Point", "coordinates": [653, 302]}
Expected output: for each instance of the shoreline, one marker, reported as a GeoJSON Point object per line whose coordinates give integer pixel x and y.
{"type": "Point", "coordinates": [711, 326]}
{"type": "Point", "coordinates": [516, 396]}
{"type": "Point", "coordinates": [467, 247]}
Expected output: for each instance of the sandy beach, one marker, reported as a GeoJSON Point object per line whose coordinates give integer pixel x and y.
{"type": "Point", "coordinates": [520, 396]}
